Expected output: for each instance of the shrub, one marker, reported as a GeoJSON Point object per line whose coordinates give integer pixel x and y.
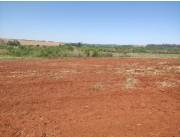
{"type": "Point", "coordinates": [107, 54]}
{"type": "Point", "coordinates": [87, 52]}
{"type": "Point", "coordinates": [13, 43]}
{"type": "Point", "coordinates": [95, 53]}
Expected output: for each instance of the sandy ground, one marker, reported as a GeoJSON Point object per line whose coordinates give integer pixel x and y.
{"type": "Point", "coordinates": [93, 97]}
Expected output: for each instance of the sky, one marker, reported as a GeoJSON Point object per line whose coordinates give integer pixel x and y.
{"type": "Point", "coordinates": [92, 22]}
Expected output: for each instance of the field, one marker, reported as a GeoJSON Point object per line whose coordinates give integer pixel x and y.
{"type": "Point", "coordinates": [90, 97]}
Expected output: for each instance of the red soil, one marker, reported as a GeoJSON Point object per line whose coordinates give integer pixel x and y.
{"type": "Point", "coordinates": [94, 97]}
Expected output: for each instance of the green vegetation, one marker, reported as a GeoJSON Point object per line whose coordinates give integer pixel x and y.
{"type": "Point", "coordinates": [13, 49]}
{"type": "Point", "coordinates": [13, 43]}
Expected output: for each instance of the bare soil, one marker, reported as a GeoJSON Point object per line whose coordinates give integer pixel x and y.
{"type": "Point", "coordinates": [93, 97]}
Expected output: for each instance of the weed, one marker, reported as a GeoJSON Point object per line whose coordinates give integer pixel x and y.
{"type": "Point", "coordinates": [130, 82]}
{"type": "Point", "coordinates": [97, 87]}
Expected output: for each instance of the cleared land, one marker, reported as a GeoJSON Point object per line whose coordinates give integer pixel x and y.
{"type": "Point", "coordinates": [91, 97]}
{"type": "Point", "coordinates": [33, 42]}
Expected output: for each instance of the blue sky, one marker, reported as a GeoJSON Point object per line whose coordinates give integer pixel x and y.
{"type": "Point", "coordinates": [92, 22]}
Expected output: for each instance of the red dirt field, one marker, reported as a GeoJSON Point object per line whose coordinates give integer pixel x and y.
{"type": "Point", "coordinates": [92, 97]}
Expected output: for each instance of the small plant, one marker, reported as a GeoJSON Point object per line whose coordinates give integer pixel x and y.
{"type": "Point", "coordinates": [130, 82]}
{"type": "Point", "coordinates": [97, 87]}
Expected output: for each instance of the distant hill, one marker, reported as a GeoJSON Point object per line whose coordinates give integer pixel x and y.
{"type": "Point", "coordinates": [32, 42]}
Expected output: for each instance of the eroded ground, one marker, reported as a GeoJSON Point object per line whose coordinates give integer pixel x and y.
{"type": "Point", "coordinates": [94, 97]}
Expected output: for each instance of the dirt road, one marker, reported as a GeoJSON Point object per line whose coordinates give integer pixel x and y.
{"type": "Point", "coordinates": [93, 97]}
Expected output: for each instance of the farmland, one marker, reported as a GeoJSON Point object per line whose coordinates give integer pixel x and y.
{"type": "Point", "coordinates": [89, 97]}
{"type": "Point", "coordinates": [89, 69]}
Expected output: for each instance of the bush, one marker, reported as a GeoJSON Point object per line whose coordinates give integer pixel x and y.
{"type": "Point", "coordinates": [95, 53]}
{"type": "Point", "coordinates": [13, 43]}
{"type": "Point", "coordinates": [87, 52]}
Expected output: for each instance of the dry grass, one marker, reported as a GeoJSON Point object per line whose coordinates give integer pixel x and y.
{"type": "Point", "coordinates": [97, 87]}
{"type": "Point", "coordinates": [130, 82]}
{"type": "Point", "coordinates": [166, 84]}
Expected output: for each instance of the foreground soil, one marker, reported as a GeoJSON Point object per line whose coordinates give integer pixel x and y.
{"type": "Point", "coordinates": [93, 97]}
